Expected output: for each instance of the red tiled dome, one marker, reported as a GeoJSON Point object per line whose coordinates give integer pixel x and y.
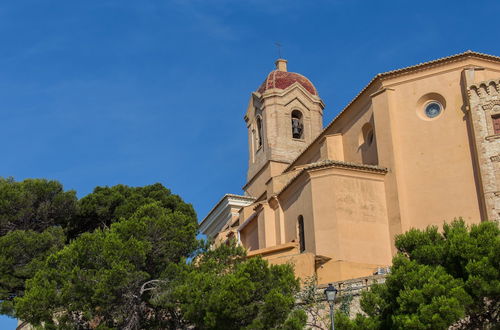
{"type": "Point", "coordinates": [283, 79]}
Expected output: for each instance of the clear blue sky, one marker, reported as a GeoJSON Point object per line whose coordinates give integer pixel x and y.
{"type": "Point", "coordinates": [136, 92]}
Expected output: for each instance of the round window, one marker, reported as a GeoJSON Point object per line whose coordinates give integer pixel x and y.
{"type": "Point", "coordinates": [433, 109]}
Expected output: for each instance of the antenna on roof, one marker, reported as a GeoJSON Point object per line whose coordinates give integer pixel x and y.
{"type": "Point", "coordinates": [278, 45]}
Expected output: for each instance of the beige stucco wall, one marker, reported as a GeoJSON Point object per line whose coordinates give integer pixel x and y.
{"type": "Point", "coordinates": [434, 159]}
{"type": "Point", "coordinates": [249, 236]}
{"type": "Point", "coordinates": [296, 201]}
{"type": "Point", "coordinates": [350, 222]}
{"type": "Point", "coordinates": [343, 211]}
{"type": "Point", "coordinates": [354, 149]}
{"type": "Point", "coordinates": [303, 263]}
{"type": "Point", "coordinates": [332, 147]}
{"type": "Point", "coordinates": [257, 186]}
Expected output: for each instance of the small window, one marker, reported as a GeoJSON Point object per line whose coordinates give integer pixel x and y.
{"type": "Point", "coordinates": [367, 135]}
{"type": "Point", "coordinates": [302, 239]}
{"type": "Point", "coordinates": [433, 109]}
{"type": "Point", "coordinates": [297, 125]}
{"type": "Point", "coordinates": [259, 132]}
{"type": "Point", "coordinates": [496, 124]}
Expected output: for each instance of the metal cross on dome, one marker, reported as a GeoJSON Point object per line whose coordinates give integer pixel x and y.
{"type": "Point", "coordinates": [278, 45]}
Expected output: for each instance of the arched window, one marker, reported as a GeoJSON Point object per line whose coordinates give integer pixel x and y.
{"type": "Point", "coordinates": [259, 132]}
{"type": "Point", "coordinates": [302, 238]}
{"type": "Point", "coordinates": [367, 134]}
{"type": "Point", "coordinates": [297, 125]}
{"type": "Point", "coordinates": [368, 144]}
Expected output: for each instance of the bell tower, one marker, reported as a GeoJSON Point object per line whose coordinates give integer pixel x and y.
{"type": "Point", "coordinates": [283, 117]}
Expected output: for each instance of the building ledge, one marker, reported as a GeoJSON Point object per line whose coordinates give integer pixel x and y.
{"type": "Point", "coordinates": [273, 249]}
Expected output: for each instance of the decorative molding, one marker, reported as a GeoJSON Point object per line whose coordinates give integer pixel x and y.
{"type": "Point", "coordinates": [492, 137]}
{"type": "Point", "coordinates": [484, 89]}
{"type": "Point", "coordinates": [495, 158]}
{"type": "Point", "coordinates": [490, 105]}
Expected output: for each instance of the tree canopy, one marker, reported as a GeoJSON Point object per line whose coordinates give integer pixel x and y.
{"type": "Point", "coordinates": [223, 289]}
{"type": "Point", "coordinates": [100, 277]}
{"type": "Point", "coordinates": [34, 204]}
{"type": "Point", "coordinates": [128, 258]}
{"type": "Point", "coordinates": [23, 253]}
{"type": "Point", "coordinates": [45, 230]}
{"type": "Point", "coordinates": [106, 205]}
{"type": "Point", "coordinates": [135, 275]}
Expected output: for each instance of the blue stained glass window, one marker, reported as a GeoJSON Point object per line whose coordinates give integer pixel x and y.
{"type": "Point", "coordinates": [433, 109]}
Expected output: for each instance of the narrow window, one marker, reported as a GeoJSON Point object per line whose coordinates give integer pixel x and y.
{"type": "Point", "coordinates": [297, 125]}
{"type": "Point", "coordinates": [496, 124]}
{"type": "Point", "coordinates": [302, 239]}
{"type": "Point", "coordinates": [367, 134]}
{"type": "Point", "coordinates": [259, 132]}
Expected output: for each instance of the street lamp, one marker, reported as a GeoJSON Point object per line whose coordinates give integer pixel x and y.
{"type": "Point", "coordinates": [330, 293]}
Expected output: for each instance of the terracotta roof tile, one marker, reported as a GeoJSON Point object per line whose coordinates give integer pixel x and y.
{"type": "Point", "coordinates": [283, 80]}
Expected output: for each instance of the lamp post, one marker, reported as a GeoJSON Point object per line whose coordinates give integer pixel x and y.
{"type": "Point", "coordinates": [330, 293]}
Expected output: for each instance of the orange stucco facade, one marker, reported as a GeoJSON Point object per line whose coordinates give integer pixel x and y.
{"type": "Point", "coordinates": [416, 147]}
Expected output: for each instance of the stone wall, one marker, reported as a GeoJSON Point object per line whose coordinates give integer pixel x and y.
{"type": "Point", "coordinates": [484, 104]}
{"type": "Point", "coordinates": [348, 299]}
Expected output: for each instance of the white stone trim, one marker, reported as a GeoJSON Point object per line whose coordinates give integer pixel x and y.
{"type": "Point", "coordinates": [222, 213]}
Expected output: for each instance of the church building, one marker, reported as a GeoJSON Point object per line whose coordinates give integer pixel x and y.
{"type": "Point", "coordinates": [416, 147]}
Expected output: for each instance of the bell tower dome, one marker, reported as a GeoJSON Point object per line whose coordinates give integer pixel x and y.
{"type": "Point", "coordinates": [284, 115]}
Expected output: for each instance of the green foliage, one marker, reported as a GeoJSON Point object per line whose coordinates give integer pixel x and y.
{"type": "Point", "coordinates": [296, 320]}
{"type": "Point", "coordinates": [34, 204]}
{"type": "Point", "coordinates": [102, 278]}
{"type": "Point", "coordinates": [23, 253]}
{"type": "Point", "coordinates": [417, 296]}
{"type": "Point", "coordinates": [106, 205]}
{"type": "Point", "coordinates": [125, 246]}
{"type": "Point", "coordinates": [224, 290]}
{"type": "Point", "coordinates": [470, 254]}
{"type": "Point", "coordinates": [438, 279]}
